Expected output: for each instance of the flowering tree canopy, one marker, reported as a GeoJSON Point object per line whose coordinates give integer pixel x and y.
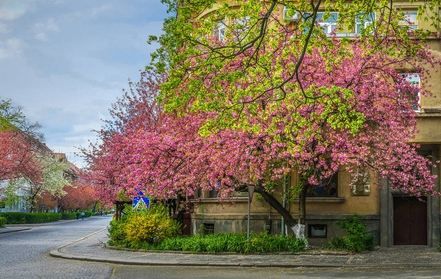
{"type": "Point", "coordinates": [248, 96]}
{"type": "Point", "coordinates": [17, 146]}
{"type": "Point", "coordinates": [363, 119]}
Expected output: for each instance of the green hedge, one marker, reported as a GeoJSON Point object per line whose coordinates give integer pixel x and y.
{"type": "Point", "coordinates": [218, 243]}
{"type": "Point", "coordinates": [357, 238]}
{"type": "Point", "coordinates": [29, 218]}
{"type": "Point", "coordinates": [68, 215]}
{"type": "Point", "coordinates": [2, 221]}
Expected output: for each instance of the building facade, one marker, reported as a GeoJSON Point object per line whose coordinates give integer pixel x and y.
{"type": "Point", "coordinates": [393, 218]}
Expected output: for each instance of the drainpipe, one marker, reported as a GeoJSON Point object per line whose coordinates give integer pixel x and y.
{"type": "Point", "coordinates": [284, 198]}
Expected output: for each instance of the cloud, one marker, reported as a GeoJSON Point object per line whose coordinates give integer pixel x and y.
{"type": "Point", "coordinates": [4, 29]}
{"type": "Point", "coordinates": [66, 61]}
{"type": "Point", "coordinates": [42, 29]}
{"type": "Point", "coordinates": [12, 9]}
{"type": "Point", "coordinates": [10, 47]}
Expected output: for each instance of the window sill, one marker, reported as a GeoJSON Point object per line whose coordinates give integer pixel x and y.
{"type": "Point", "coordinates": [216, 200]}
{"type": "Point", "coordinates": [325, 200]}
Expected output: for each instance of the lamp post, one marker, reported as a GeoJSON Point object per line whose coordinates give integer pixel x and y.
{"type": "Point", "coordinates": [250, 198]}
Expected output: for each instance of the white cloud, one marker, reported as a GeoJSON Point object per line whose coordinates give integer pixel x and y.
{"type": "Point", "coordinates": [12, 9]}
{"type": "Point", "coordinates": [10, 47]}
{"type": "Point", "coordinates": [41, 30]}
{"type": "Point", "coordinates": [4, 29]}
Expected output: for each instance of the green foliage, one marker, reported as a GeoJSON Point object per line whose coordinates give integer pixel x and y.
{"type": "Point", "coordinates": [218, 243]}
{"type": "Point", "coordinates": [54, 178]}
{"type": "Point", "coordinates": [145, 225]}
{"type": "Point", "coordinates": [357, 237]}
{"type": "Point", "coordinates": [29, 218]}
{"type": "Point", "coordinates": [68, 215]}
{"type": "Point", "coordinates": [2, 222]}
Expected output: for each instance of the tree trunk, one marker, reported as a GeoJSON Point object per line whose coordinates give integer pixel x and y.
{"type": "Point", "coordinates": [274, 203]}
{"type": "Point", "coordinates": [302, 205]}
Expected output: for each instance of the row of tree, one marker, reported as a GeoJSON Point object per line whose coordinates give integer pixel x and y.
{"type": "Point", "coordinates": [28, 168]}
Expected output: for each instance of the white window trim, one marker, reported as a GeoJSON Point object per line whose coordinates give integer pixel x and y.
{"type": "Point", "coordinates": [220, 30]}
{"type": "Point", "coordinates": [406, 21]}
{"type": "Point", "coordinates": [366, 23]}
{"type": "Point", "coordinates": [326, 24]}
{"type": "Point", "coordinates": [407, 77]}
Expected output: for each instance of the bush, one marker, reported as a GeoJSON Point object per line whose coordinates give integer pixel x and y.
{"type": "Point", "coordinates": [2, 222]}
{"type": "Point", "coordinates": [149, 225]}
{"type": "Point", "coordinates": [117, 236]}
{"type": "Point", "coordinates": [29, 218]}
{"type": "Point", "coordinates": [357, 237]}
{"type": "Point", "coordinates": [68, 215]}
{"type": "Point", "coordinates": [145, 225]}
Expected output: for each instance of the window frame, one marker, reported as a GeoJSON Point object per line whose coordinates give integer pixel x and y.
{"type": "Point", "coordinates": [310, 235]}
{"type": "Point", "coordinates": [336, 195]}
{"type": "Point", "coordinates": [366, 23]}
{"type": "Point", "coordinates": [328, 24]}
{"type": "Point", "coordinates": [406, 20]}
{"type": "Point", "coordinates": [406, 76]}
{"type": "Point", "coordinates": [220, 31]}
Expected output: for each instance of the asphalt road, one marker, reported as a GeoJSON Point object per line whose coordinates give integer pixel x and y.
{"type": "Point", "coordinates": [26, 255]}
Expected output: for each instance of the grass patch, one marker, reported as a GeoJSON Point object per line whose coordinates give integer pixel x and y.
{"type": "Point", "coordinates": [220, 243]}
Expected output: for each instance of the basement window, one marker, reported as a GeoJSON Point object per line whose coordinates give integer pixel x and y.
{"type": "Point", "coordinates": [318, 231]}
{"type": "Point", "coordinates": [208, 228]}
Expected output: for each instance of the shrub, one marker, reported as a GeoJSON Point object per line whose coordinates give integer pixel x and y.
{"type": "Point", "coordinates": [149, 225]}
{"type": "Point", "coordinates": [2, 221]}
{"type": "Point", "coordinates": [231, 243]}
{"type": "Point", "coordinates": [357, 237]}
{"type": "Point", "coordinates": [68, 215]}
{"type": "Point", "coordinates": [143, 226]}
{"type": "Point", "coordinates": [117, 235]}
{"type": "Point", "coordinates": [29, 218]}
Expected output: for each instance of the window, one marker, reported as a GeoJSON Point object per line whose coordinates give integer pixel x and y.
{"type": "Point", "coordinates": [363, 21]}
{"type": "Point", "coordinates": [327, 21]}
{"type": "Point", "coordinates": [318, 231]}
{"type": "Point", "coordinates": [241, 28]}
{"type": "Point", "coordinates": [208, 228]}
{"type": "Point", "coordinates": [290, 14]}
{"type": "Point", "coordinates": [219, 31]}
{"type": "Point", "coordinates": [212, 194]}
{"type": "Point", "coordinates": [414, 93]}
{"type": "Point", "coordinates": [326, 188]}
{"type": "Point", "coordinates": [410, 19]}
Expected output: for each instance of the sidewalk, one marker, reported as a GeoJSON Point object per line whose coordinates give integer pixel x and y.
{"type": "Point", "coordinates": [92, 248]}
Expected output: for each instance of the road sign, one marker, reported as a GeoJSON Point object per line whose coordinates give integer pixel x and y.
{"type": "Point", "coordinates": [141, 202]}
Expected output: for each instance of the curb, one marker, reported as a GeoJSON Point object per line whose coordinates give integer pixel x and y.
{"type": "Point", "coordinates": [11, 230]}
{"type": "Point", "coordinates": [315, 253]}
{"type": "Point", "coordinates": [57, 253]}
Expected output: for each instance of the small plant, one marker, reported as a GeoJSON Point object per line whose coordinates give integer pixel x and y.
{"type": "Point", "coordinates": [357, 237]}
{"type": "Point", "coordinates": [2, 222]}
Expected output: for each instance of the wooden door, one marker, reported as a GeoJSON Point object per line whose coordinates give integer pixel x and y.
{"type": "Point", "coordinates": [410, 221]}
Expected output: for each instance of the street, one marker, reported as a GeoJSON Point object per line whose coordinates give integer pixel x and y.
{"type": "Point", "coordinates": [25, 255]}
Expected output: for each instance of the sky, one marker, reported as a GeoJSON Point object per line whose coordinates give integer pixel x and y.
{"type": "Point", "coordinates": [64, 62]}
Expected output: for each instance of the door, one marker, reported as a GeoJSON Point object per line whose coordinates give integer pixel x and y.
{"type": "Point", "coordinates": [410, 221]}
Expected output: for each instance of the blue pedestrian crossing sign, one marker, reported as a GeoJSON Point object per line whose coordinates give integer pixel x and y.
{"type": "Point", "coordinates": [141, 201]}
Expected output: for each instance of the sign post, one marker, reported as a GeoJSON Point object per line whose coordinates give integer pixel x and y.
{"type": "Point", "coordinates": [250, 198]}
